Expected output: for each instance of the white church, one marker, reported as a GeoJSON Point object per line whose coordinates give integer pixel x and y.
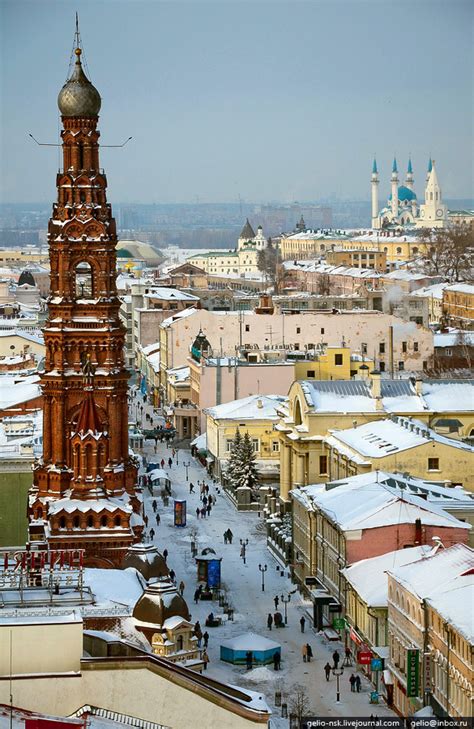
{"type": "Point", "coordinates": [403, 208]}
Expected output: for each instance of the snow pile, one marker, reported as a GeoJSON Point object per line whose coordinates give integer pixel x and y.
{"type": "Point", "coordinates": [260, 675]}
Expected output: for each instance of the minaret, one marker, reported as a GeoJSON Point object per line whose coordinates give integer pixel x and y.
{"type": "Point", "coordinates": [394, 181]}
{"type": "Point", "coordinates": [428, 171]}
{"type": "Point", "coordinates": [375, 196]}
{"type": "Point", "coordinates": [84, 490]}
{"type": "Point", "coordinates": [409, 182]}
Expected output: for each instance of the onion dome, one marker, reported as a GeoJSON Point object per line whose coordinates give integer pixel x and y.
{"type": "Point", "coordinates": [147, 560]}
{"type": "Point", "coordinates": [78, 97]}
{"type": "Point", "coordinates": [160, 601]}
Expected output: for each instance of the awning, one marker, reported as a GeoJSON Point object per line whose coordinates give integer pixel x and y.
{"type": "Point", "coordinates": [210, 459]}
{"type": "Point", "coordinates": [382, 651]}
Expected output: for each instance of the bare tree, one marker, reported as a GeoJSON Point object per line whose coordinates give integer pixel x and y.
{"type": "Point", "coordinates": [324, 284]}
{"type": "Point", "coordinates": [449, 252]}
{"type": "Point", "coordinates": [299, 702]}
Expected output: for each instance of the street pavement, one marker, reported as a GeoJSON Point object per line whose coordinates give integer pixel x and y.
{"type": "Point", "coordinates": [243, 585]}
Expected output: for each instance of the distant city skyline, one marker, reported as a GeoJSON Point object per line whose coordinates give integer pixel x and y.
{"type": "Point", "coordinates": [266, 101]}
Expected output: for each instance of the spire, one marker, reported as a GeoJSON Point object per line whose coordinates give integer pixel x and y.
{"type": "Point", "coordinates": [374, 168]}
{"type": "Point", "coordinates": [430, 165]}
{"type": "Point", "coordinates": [394, 166]}
{"type": "Point", "coordinates": [89, 419]}
{"type": "Point", "coordinates": [247, 231]}
{"type": "Point", "coordinates": [410, 168]}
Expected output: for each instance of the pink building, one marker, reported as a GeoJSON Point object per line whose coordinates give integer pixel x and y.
{"type": "Point", "coordinates": [361, 517]}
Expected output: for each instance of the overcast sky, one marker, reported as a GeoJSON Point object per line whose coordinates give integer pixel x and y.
{"type": "Point", "coordinates": [270, 100]}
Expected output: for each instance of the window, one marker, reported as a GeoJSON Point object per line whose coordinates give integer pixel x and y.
{"type": "Point", "coordinates": [415, 346]}
{"type": "Point", "coordinates": [382, 348]}
{"type": "Point", "coordinates": [448, 352]}
{"type": "Point", "coordinates": [83, 280]}
{"type": "Point", "coordinates": [433, 464]}
{"type": "Point", "coordinates": [363, 348]}
{"type": "Point", "coordinates": [322, 330]}
{"type": "Point", "coordinates": [298, 330]}
{"type": "Point", "coordinates": [275, 446]}
{"type": "Point", "coordinates": [310, 373]}
{"type": "Point", "coordinates": [338, 359]}
{"type": "Point", "coordinates": [228, 446]}
{"type": "Point", "coordinates": [382, 366]}
{"type": "Point", "coordinates": [255, 445]}
{"type": "Point", "coordinates": [323, 464]}
{"type": "Point", "coordinates": [247, 327]}
{"type": "Point", "coordinates": [297, 346]}
{"type": "Point", "coordinates": [404, 347]}
{"type": "Point", "coordinates": [401, 366]}
{"type": "Point", "coordinates": [399, 250]}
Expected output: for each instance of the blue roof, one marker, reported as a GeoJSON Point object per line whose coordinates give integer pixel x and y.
{"type": "Point", "coordinates": [430, 165]}
{"type": "Point", "coordinates": [404, 193]}
{"type": "Point", "coordinates": [410, 168]}
{"type": "Point", "coordinates": [374, 167]}
{"type": "Point", "coordinates": [394, 166]}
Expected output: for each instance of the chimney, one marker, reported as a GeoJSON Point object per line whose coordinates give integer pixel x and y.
{"type": "Point", "coordinates": [418, 386]}
{"type": "Point", "coordinates": [260, 403]}
{"type": "Point", "coordinates": [418, 532]}
{"type": "Point", "coordinates": [375, 384]}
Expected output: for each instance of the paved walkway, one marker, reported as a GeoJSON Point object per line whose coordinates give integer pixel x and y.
{"type": "Point", "coordinates": [243, 584]}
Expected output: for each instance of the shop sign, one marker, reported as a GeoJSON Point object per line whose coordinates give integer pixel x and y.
{"type": "Point", "coordinates": [376, 664]}
{"type": "Point", "coordinates": [338, 623]}
{"type": "Point", "coordinates": [355, 637]}
{"type": "Point", "coordinates": [427, 671]}
{"type": "Point", "coordinates": [364, 658]}
{"type": "Point", "coordinates": [413, 672]}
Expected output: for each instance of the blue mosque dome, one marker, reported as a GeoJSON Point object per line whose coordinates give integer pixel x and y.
{"type": "Point", "coordinates": [404, 193]}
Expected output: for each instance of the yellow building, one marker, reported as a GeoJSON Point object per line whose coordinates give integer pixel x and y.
{"type": "Point", "coordinates": [458, 305]}
{"type": "Point", "coordinates": [227, 263]}
{"type": "Point", "coordinates": [430, 612]}
{"type": "Point", "coordinates": [315, 407]}
{"type": "Point", "coordinates": [331, 363]}
{"type": "Point", "coordinates": [14, 343]}
{"type": "Point", "coordinates": [400, 444]}
{"type": "Point", "coordinates": [255, 415]}
{"type": "Point", "coordinates": [181, 410]}
{"type": "Point", "coordinates": [377, 260]}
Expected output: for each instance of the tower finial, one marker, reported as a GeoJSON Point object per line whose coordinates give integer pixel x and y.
{"type": "Point", "coordinates": [77, 42]}
{"type": "Point", "coordinates": [430, 164]}
{"type": "Point", "coordinates": [410, 168]}
{"type": "Point", "coordinates": [374, 167]}
{"type": "Point", "coordinates": [394, 166]}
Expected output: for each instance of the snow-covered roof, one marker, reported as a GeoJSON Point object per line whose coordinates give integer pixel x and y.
{"type": "Point", "coordinates": [461, 288]}
{"type": "Point", "coordinates": [446, 579]}
{"type": "Point", "coordinates": [448, 395]}
{"type": "Point", "coordinates": [14, 391]}
{"type": "Point", "coordinates": [453, 339]}
{"type": "Point", "coordinates": [365, 503]}
{"type": "Point", "coordinates": [157, 473]}
{"type": "Point", "coordinates": [150, 348]}
{"type": "Point", "coordinates": [200, 442]}
{"type": "Point", "coordinates": [179, 315]}
{"type": "Point", "coordinates": [254, 407]}
{"type": "Point", "coordinates": [179, 374]}
{"type": "Point", "coordinates": [112, 585]}
{"type": "Point", "coordinates": [36, 337]}
{"type": "Point", "coordinates": [250, 642]}
{"type": "Point", "coordinates": [386, 437]}
{"type": "Point", "coordinates": [430, 292]}
{"type": "Point", "coordinates": [355, 396]}
{"type": "Point", "coordinates": [368, 577]}
{"type": "Point", "coordinates": [170, 294]}
{"type": "Point", "coordinates": [98, 505]}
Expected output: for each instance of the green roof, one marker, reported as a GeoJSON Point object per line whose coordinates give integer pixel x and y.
{"type": "Point", "coordinates": [211, 254]}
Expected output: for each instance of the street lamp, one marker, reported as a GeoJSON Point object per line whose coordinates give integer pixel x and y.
{"type": "Point", "coordinates": [337, 672]}
{"type": "Point", "coordinates": [263, 569]}
{"type": "Point", "coordinates": [186, 465]}
{"type": "Point", "coordinates": [285, 601]}
{"type": "Point", "coordinates": [243, 551]}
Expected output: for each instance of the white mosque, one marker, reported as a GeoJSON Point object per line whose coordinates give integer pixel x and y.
{"type": "Point", "coordinates": [403, 208]}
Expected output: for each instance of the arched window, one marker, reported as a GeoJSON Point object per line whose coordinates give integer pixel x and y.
{"type": "Point", "coordinates": [179, 643]}
{"type": "Point", "coordinates": [88, 460]}
{"type": "Point", "coordinates": [75, 522]}
{"type": "Point", "coordinates": [399, 250]}
{"type": "Point", "coordinates": [62, 523]}
{"type": "Point", "coordinates": [83, 280]}
{"type": "Point", "coordinates": [117, 521]}
{"type": "Point", "coordinates": [103, 521]}
{"type": "Point", "coordinates": [90, 521]}
{"type": "Point", "coordinates": [298, 416]}
{"type": "Point", "coordinates": [415, 250]}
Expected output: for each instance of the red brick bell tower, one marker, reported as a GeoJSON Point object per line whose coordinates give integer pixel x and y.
{"type": "Point", "coordinates": [84, 492]}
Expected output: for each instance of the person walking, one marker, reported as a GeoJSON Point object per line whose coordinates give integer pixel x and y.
{"type": "Point", "coordinates": [165, 554]}
{"type": "Point", "coordinates": [152, 534]}
{"type": "Point", "coordinates": [154, 505]}
{"type": "Point", "coordinates": [205, 637]}
{"type": "Point", "coordinates": [197, 595]}
{"type": "Point", "coordinates": [276, 661]}
{"type": "Point", "coordinates": [304, 651]}
{"type": "Point", "coordinates": [348, 658]}
{"type": "Point", "coordinates": [162, 463]}
{"type": "Point", "coordinates": [203, 512]}
{"type": "Point", "coordinates": [249, 660]}
{"type": "Point", "coordinates": [225, 537]}
{"type": "Point", "coordinates": [170, 462]}
{"type": "Point", "coordinates": [172, 575]}
{"type": "Point", "coordinates": [158, 519]}
{"type": "Point", "coordinates": [276, 600]}
{"type": "Point", "coordinates": [191, 488]}
{"type": "Point", "coordinates": [208, 509]}
{"type": "Point", "coordinates": [336, 657]}
{"type": "Point", "coordinates": [269, 621]}
{"type": "Point", "coordinates": [352, 681]}
{"type": "Point", "coordinates": [230, 535]}
{"type": "Point", "coordinates": [327, 671]}
{"type": "Point", "coordinates": [309, 652]}
{"type": "Point", "coordinates": [181, 588]}
{"type": "Point", "coordinates": [205, 659]}
{"type": "Point", "coordinates": [357, 683]}
{"type": "Point", "coordinates": [204, 500]}
{"type": "Point", "coordinates": [302, 623]}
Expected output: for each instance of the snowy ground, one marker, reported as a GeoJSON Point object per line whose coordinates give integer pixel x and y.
{"type": "Point", "coordinates": [244, 587]}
